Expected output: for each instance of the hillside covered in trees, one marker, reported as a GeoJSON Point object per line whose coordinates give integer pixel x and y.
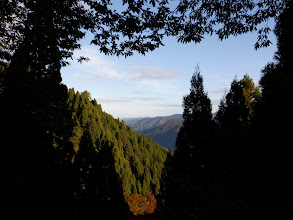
{"type": "Point", "coordinates": [110, 158]}
{"type": "Point", "coordinates": [137, 160]}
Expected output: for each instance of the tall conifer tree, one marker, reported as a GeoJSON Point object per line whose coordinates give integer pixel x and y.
{"type": "Point", "coordinates": [236, 107]}
{"type": "Point", "coordinates": [197, 114]}
{"type": "Point", "coordinates": [197, 126]}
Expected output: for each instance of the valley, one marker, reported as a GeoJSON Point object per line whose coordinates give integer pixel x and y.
{"type": "Point", "coordinates": [163, 130]}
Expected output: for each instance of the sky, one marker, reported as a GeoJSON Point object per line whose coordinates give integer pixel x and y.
{"type": "Point", "coordinates": [154, 84]}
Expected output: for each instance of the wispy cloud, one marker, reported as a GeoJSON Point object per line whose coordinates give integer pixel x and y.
{"type": "Point", "coordinates": [162, 87]}
{"type": "Point", "coordinates": [102, 100]}
{"type": "Point", "coordinates": [221, 90]}
{"type": "Point", "coordinates": [168, 105]}
{"type": "Point", "coordinates": [77, 76]}
{"type": "Point", "coordinates": [133, 73]}
{"type": "Point", "coordinates": [149, 98]}
{"type": "Point", "coordinates": [127, 99]}
{"type": "Point", "coordinates": [149, 72]}
{"type": "Point", "coordinates": [101, 67]}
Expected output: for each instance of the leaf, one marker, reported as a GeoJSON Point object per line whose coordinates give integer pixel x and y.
{"type": "Point", "coordinates": [82, 58]}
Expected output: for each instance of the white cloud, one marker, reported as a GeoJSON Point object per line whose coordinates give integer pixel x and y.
{"type": "Point", "coordinates": [158, 86]}
{"type": "Point", "coordinates": [133, 73]}
{"type": "Point", "coordinates": [149, 72]}
{"type": "Point", "coordinates": [149, 98]}
{"type": "Point", "coordinates": [102, 100]}
{"type": "Point", "coordinates": [127, 99]}
{"type": "Point", "coordinates": [169, 105]}
{"type": "Point", "coordinates": [101, 67]}
{"type": "Point", "coordinates": [77, 76]}
{"type": "Point", "coordinates": [221, 90]}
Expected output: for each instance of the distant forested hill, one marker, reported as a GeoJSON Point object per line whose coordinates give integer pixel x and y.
{"type": "Point", "coordinates": [163, 130]}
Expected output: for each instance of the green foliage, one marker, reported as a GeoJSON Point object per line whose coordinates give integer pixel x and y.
{"type": "Point", "coordinates": [138, 26]}
{"type": "Point", "coordinates": [236, 107]}
{"type": "Point", "coordinates": [134, 159]}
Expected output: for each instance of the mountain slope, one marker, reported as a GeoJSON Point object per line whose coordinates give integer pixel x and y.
{"type": "Point", "coordinates": [166, 134]}
{"type": "Point", "coordinates": [144, 124]}
{"type": "Point", "coordinates": [112, 161]}
{"type": "Point", "coordinates": [163, 130]}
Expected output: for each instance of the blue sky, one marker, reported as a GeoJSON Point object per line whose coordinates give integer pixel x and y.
{"type": "Point", "coordinates": [154, 84]}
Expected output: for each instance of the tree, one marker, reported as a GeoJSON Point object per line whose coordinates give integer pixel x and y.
{"type": "Point", "coordinates": [284, 33]}
{"type": "Point", "coordinates": [139, 25]}
{"type": "Point", "coordinates": [150, 204]}
{"type": "Point", "coordinates": [194, 135]}
{"type": "Point", "coordinates": [83, 161]}
{"type": "Point", "coordinates": [3, 68]}
{"type": "Point", "coordinates": [197, 115]}
{"type": "Point", "coordinates": [276, 81]}
{"type": "Point", "coordinates": [36, 128]}
{"type": "Point", "coordinates": [136, 203]}
{"type": "Point", "coordinates": [140, 205]}
{"type": "Point", "coordinates": [236, 107]}
{"type": "Point", "coordinates": [12, 15]}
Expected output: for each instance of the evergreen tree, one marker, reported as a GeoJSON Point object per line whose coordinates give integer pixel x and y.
{"type": "Point", "coordinates": [111, 160]}
{"type": "Point", "coordinates": [192, 145]}
{"type": "Point", "coordinates": [236, 107]}
{"type": "Point", "coordinates": [197, 115]}
{"type": "Point", "coordinates": [39, 124]}
{"type": "Point", "coordinates": [83, 162]}
{"type": "Point", "coordinates": [276, 81]}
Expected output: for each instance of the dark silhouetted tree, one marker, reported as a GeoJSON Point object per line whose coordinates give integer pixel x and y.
{"type": "Point", "coordinates": [276, 81]}
{"type": "Point", "coordinates": [236, 107]}
{"type": "Point", "coordinates": [3, 69]}
{"type": "Point", "coordinates": [192, 144]}
{"type": "Point", "coordinates": [83, 161]}
{"type": "Point", "coordinates": [197, 115]}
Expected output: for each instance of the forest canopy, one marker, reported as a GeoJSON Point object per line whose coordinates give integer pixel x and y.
{"type": "Point", "coordinates": [137, 160]}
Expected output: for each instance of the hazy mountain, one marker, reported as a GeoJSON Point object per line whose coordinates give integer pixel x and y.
{"type": "Point", "coordinates": [174, 116]}
{"type": "Point", "coordinates": [163, 130]}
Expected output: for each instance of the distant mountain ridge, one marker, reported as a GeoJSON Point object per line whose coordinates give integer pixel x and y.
{"type": "Point", "coordinates": [162, 130]}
